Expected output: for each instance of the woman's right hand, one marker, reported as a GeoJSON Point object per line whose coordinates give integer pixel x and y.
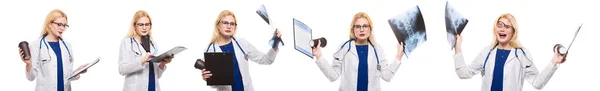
{"type": "Point", "coordinates": [28, 61]}
{"type": "Point", "coordinates": [317, 51]}
{"type": "Point", "coordinates": [206, 74]}
{"type": "Point", "coordinates": [457, 45]}
{"type": "Point", "coordinates": [146, 58]}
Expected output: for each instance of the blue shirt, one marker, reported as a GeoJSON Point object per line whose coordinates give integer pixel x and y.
{"type": "Point", "coordinates": [497, 80]}
{"type": "Point", "coordinates": [151, 80]}
{"type": "Point", "coordinates": [238, 83]}
{"type": "Point", "coordinates": [151, 76]}
{"type": "Point", "coordinates": [363, 71]}
{"type": "Point", "coordinates": [59, 66]}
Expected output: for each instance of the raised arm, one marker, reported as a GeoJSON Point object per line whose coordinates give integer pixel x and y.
{"type": "Point", "coordinates": [539, 80]}
{"type": "Point", "coordinates": [389, 68]}
{"type": "Point", "coordinates": [258, 56]}
{"type": "Point", "coordinates": [463, 70]}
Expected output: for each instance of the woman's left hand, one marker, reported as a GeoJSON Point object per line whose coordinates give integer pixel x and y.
{"type": "Point", "coordinates": [167, 60]}
{"type": "Point", "coordinates": [559, 58]}
{"type": "Point", "coordinates": [81, 67]}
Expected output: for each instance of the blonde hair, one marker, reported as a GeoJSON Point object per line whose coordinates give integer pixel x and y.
{"type": "Point", "coordinates": [513, 42]}
{"type": "Point", "coordinates": [358, 16]}
{"type": "Point", "coordinates": [216, 33]}
{"type": "Point", "coordinates": [50, 18]}
{"type": "Point", "coordinates": [138, 15]}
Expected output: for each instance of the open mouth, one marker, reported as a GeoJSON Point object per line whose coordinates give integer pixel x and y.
{"type": "Point", "coordinates": [361, 35]}
{"type": "Point", "coordinates": [228, 31]}
{"type": "Point", "coordinates": [502, 35]}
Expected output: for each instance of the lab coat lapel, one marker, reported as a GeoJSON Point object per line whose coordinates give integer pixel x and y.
{"type": "Point", "coordinates": [216, 48]}
{"type": "Point", "coordinates": [354, 55]}
{"type": "Point", "coordinates": [50, 55]}
{"type": "Point", "coordinates": [66, 60]}
{"type": "Point", "coordinates": [511, 56]}
{"type": "Point", "coordinates": [64, 52]}
{"type": "Point", "coordinates": [238, 51]}
{"type": "Point", "coordinates": [372, 60]}
{"type": "Point", "coordinates": [491, 60]}
{"type": "Point", "coordinates": [353, 49]}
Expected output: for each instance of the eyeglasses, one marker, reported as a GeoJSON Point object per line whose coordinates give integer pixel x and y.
{"type": "Point", "coordinates": [61, 24]}
{"type": "Point", "coordinates": [503, 25]}
{"type": "Point", "coordinates": [362, 27]}
{"type": "Point", "coordinates": [228, 23]}
{"type": "Point", "coordinates": [143, 24]}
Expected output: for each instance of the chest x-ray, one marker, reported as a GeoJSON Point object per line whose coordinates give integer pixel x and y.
{"type": "Point", "coordinates": [455, 23]}
{"type": "Point", "coordinates": [409, 28]}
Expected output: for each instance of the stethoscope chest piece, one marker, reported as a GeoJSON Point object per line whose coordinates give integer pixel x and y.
{"type": "Point", "coordinates": [378, 67]}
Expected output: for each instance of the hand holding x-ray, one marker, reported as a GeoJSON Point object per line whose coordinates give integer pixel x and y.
{"type": "Point", "coordinates": [276, 39]}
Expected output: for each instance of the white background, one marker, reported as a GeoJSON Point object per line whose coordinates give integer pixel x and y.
{"type": "Point", "coordinates": [97, 27]}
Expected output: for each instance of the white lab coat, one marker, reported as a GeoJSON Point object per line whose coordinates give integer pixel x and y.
{"type": "Point", "coordinates": [346, 64]}
{"type": "Point", "coordinates": [44, 66]}
{"type": "Point", "coordinates": [136, 74]}
{"type": "Point", "coordinates": [516, 70]}
{"type": "Point", "coordinates": [252, 54]}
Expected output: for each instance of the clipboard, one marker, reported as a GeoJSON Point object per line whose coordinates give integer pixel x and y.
{"type": "Point", "coordinates": [562, 50]}
{"type": "Point", "coordinates": [171, 52]}
{"type": "Point", "coordinates": [220, 65]}
{"type": "Point", "coordinates": [302, 38]}
{"type": "Point", "coordinates": [84, 68]}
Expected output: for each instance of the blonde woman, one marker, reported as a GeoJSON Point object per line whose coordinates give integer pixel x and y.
{"type": "Point", "coordinates": [223, 40]}
{"type": "Point", "coordinates": [51, 60]}
{"type": "Point", "coordinates": [134, 63]}
{"type": "Point", "coordinates": [505, 64]}
{"type": "Point", "coordinates": [359, 61]}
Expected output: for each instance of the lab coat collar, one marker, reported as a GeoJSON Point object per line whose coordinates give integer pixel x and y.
{"type": "Point", "coordinates": [65, 54]}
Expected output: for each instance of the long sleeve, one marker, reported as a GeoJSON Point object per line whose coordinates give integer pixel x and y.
{"type": "Point", "coordinates": [332, 72]}
{"type": "Point", "coordinates": [465, 71]}
{"type": "Point", "coordinates": [127, 64]}
{"type": "Point", "coordinates": [537, 80]}
{"type": "Point", "coordinates": [258, 56]}
{"type": "Point", "coordinates": [72, 58]}
{"type": "Point", "coordinates": [387, 70]}
{"type": "Point", "coordinates": [160, 71]}
{"type": "Point", "coordinates": [31, 74]}
{"type": "Point", "coordinates": [157, 65]}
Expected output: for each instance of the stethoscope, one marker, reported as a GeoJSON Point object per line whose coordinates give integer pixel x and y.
{"type": "Point", "coordinates": [375, 50]}
{"type": "Point", "coordinates": [517, 56]}
{"type": "Point", "coordinates": [236, 42]}
{"type": "Point", "coordinates": [48, 58]}
{"type": "Point", "coordinates": [48, 48]}
{"type": "Point", "coordinates": [139, 53]}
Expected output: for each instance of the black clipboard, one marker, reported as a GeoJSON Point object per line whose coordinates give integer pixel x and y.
{"type": "Point", "coordinates": [220, 65]}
